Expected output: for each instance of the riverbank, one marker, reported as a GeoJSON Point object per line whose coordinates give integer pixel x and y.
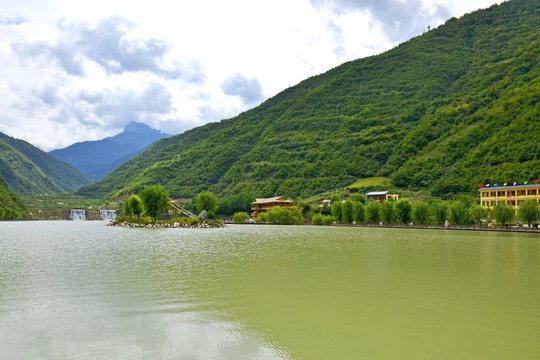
{"type": "Point", "coordinates": [450, 227]}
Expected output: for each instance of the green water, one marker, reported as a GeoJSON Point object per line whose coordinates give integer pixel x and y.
{"type": "Point", "coordinates": [82, 290]}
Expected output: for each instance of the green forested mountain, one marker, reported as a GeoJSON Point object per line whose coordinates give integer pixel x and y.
{"type": "Point", "coordinates": [8, 199]}
{"type": "Point", "coordinates": [445, 111]}
{"type": "Point", "coordinates": [29, 171]}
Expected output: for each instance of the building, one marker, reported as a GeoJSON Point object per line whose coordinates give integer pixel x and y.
{"type": "Point", "coordinates": [513, 195]}
{"type": "Point", "coordinates": [381, 196]}
{"type": "Point", "coordinates": [326, 202]}
{"type": "Point", "coordinates": [263, 205]}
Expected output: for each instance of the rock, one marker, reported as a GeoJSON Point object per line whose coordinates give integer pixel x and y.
{"type": "Point", "coordinates": [491, 226]}
{"type": "Point", "coordinates": [446, 224]}
{"type": "Point", "coordinates": [203, 215]}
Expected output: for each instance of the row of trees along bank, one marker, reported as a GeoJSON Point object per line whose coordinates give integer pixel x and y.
{"type": "Point", "coordinates": [458, 212]}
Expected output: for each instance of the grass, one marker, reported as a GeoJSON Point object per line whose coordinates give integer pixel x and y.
{"type": "Point", "coordinates": [369, 182]}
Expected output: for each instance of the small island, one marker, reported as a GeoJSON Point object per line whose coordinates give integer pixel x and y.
{"type": "Point", "coordinates": [146, 211]}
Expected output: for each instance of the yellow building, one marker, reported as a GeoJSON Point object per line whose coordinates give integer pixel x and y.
{"type": "Point", "coordinates": [512, 195]}
{"type": "Point", "coordinates": [381, 196]}
{"type": "Point", "coordinates": [263, 205]}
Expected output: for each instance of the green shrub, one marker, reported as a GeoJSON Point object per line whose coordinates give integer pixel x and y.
{"type": "Point", "coordinates": [458, 213]}
{"type": "Point", "coordinates": [504, 214]}
{"type": "Point", "coordinates": [317, 219]}
{"type": "Point", "coordinates": [347, 212]}
{"type": "Point", "coordinates": [439, 212]}
{"type": "Point", "coordinates": [528, 211]}
{"type": "Point", "coordinates": [240, 217]}
{"type": "Point", "coordinates": [388, 213]}
{"type": "Point", "coordinates": [477, 213]}
{"type": "Point", "coordinates": [420, 213]}
{"type": "Point", "coordinates": [373, 212]}
{"type": "Point", "coordinates": [403, 211]}
{"type": "Point", "coordinates": [284, 216]}
{"type": "Point", "coordinates": [327, 220]}
{"type": "Point", "coordinates": [261, 218]}
{"type": "Point", "coordinates": [359, 212]}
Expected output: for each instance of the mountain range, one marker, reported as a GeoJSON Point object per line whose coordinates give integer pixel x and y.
{"type": "Point", "coordinates": [97, 158]}
{"type": "Point", "coordinates": [453, 108]}
{"type": "Point", "coordinates": [28, 171]}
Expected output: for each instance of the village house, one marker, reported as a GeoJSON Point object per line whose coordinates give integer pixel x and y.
{"type": "Point", "coordinates": [381, 196]}
{"type": "Point", "coordinates": [263, 205]}
{"type": "Point", "coordinates": [512, 195]}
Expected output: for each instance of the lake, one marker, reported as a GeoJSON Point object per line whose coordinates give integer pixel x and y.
{"type": "Point", "coordinates": [83, 290]}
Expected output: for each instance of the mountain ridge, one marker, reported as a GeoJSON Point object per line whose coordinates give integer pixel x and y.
{"type": "Point", "coordinates": [433, 113]}
{"type": "Point", "coordinates": [97, 158]}
{"type": "Point", "coordinates": [29, 171]}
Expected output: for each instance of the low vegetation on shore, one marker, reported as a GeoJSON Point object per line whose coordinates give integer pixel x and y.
{"type": "Point", "coordinates": [356, 210]}
{"type": "Point", "coordinates": [178, 222]}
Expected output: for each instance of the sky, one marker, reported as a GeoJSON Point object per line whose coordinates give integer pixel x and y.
{"type": "Point", "coordinates": [73, 71]}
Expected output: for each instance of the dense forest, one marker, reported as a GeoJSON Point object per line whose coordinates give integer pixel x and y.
{"type": "Point", "coordinates": [445, 111]}
{"type": "Point", "coordinates": [10, 204]}
{"type": "Point", "coordinates": [30, 171]}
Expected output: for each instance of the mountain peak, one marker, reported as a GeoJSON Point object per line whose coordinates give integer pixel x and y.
{"type": "Point", "coordinates": [137, 127]}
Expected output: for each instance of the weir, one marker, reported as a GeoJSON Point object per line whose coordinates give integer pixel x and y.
{"type": "Point", "coordinates": [77, 214]}
{"type": "Point", "coordinates": [108, 215]}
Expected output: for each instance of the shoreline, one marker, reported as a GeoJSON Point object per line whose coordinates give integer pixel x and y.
{"type": "Point", "coordinates": [532, 230]}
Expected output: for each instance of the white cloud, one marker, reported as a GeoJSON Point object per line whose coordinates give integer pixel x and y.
{"type": "Point", "coordinates": [74, 71]}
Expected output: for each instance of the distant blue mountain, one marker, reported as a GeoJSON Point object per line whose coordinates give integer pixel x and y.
{"type": "Point", "coordinates": [97, 158]}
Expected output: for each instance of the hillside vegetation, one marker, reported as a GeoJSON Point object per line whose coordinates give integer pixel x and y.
{"type": "Point", "coordinates": [30, 171]}
{"type": "Point", "coordinates": [9, 200]}
{"type": "Point", "coordinates": [445, 111]}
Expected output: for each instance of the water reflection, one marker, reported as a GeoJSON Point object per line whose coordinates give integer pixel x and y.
{"type": "Point", "coordinates": [84, 290]}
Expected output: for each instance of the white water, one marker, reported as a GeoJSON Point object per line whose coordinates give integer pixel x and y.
{"type": "Point", "coordinates": [77, 214]}
{"type": "Point", "coordinates": [108, 215]}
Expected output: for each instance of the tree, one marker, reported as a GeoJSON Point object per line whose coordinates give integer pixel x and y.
{"type": "Point", "coordinates": [439, 211]}
{"type": "Point", "coordinates": [528, 211]}
{"type": "Point", "coordinates": [504, 214]}
{"type": "Point", "coordinates": [388, 213]}
{"type": "Point", "coordinates": [135, 205]}
{"type": "Point", "coordinates": [347, 212]}
{"type": "Point", "coordinates": [457, 213]}
{"type": "Point", "coordinates": [477, 213]}
{"type": "Point", "coordinates": [206, 201]}
{"type": "Point", "coordinates": [284, 216]}
{"type": "Point", "coordinates": [261, 218]}
{"type": "Point", "coordinates": [373, 212]}
{"type": "Point", "coordinates": [335, 201]}
{"type": "Point", "coordinates": [420, 213]}
{"type": "Point", "coordinates": [359, 212]}
{"type": "Point", "coordinates": [359, 198]}
{"type": "Point", "coordinates": [403, 211]}
{"type": "Point", "coordinates": [317, 219]}
{"type": "Point", "coordinates": [155, 200]}
{"type": "Point", "coordinates": [327, 219]}
{"type": "Point", "coordinates": [240, 202]}
{"type": "Point", "coordinates": [127, 209]}
{"type": "Point", "coordinates": [240, 217]}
